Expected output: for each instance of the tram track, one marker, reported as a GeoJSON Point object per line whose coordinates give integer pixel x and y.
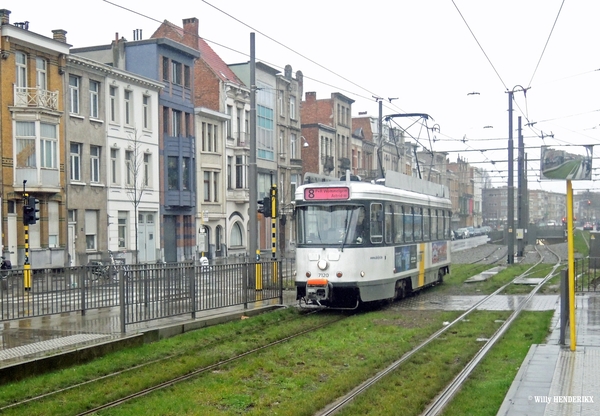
{"type": "Point", "coordinates": [446, 395]}
{"type": "Point", "coordinates": [163, 361]}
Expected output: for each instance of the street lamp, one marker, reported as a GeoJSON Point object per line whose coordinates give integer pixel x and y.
{"type": "Point", "coordinates": [304, 141]}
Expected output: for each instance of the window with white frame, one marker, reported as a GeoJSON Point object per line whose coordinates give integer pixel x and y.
{"type": "Point", "coordinates": [146, 112]}
{"type": "Point", "coordinates": [293, 146]}
{"type": "Point", "coordinates": [75, 157]}
{"type": "Point", "coordinates": [122, 232]}
{"type": "Point", "coordinates": [292, 107]}
{"type": "Point", "coordinates": [236, 235]}
{"type": "Point", "coordinates": [209, 137]}
{"type": "Point", "coordinates": [91, 230]}
{"type": "Point", "coordinates": [176, 123]}
{"type": "Point", "coordinates": [114, 166]}
{"type": "Point", "coordinates": [94, 90]}
{"type": "Point", "coordinates": [53, 224]}
{"type": "Point", "coordinates": [48, 146]}
{"type": "Point", "coordinates": [21, 63]}
{"type": "Point", "coordinates": [229, 172]}
{"type": "Point", "coordinates": [113, 104]}
{"type": "Point", "coordinates": [228, 123]}
{"type": "Point", "coordinates": [176, 72]}
{"type": "Point", "coordinates": [215, 186]}
{"type": "Point", "coordinates": [41, 77]}
{"type": "Point", "coordinates": [74, 94]}
{"type": "Point", "coordinates": [280, 103]}
{"type": "Point", "coordinates": [129, 166]}
{"type": "Point", "coordinates": [207, 186]}
{"type": "Point", "coordinates": [26, 149]}
{"type": "Point", "coordinates": [95, 164]}
{"type": "Point", "coordinates": [128, 97]}
{"type": "Point", "coordinates": [282, 151]}
{"type": "Point", "coordinates": [239, 172]}
{"type": "Point", "coordinates": [147, 169]}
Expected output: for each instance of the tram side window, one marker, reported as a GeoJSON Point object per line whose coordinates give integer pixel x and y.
{"type": "Point", "coordinates": [440, 226]}
{"type": "Point", "coordinates": [434, 223]}
{"type": "Point", "coordinates": [389, 216]}
{"type": "Point", "coordinates": [398, 224]}
{"type": "Point", "coordinates": [418, 224]}
{"type": "Point", "coordinates": [448, 225]}
{"type": "Point", "coordinates": [376, 223]}
{"type": "Point", "coordinates": [408, 224]}
{"type": "Point", "coordinates": [426, 225]}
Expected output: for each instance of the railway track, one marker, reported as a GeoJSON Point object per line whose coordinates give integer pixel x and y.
{"type": "Point", "coordinates": [444, 397]}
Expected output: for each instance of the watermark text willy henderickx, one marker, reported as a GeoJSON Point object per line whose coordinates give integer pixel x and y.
{"type": "Point", "coordinates": [562, 399]}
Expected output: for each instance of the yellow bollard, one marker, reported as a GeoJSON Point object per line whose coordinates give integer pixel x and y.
{"type": "Point", "coordinates": [258, 271]}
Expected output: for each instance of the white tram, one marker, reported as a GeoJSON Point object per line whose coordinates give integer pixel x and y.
{"type": "Point", "coordinates": [363, 242]}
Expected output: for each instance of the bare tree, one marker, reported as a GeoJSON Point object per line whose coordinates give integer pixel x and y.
{"type": "Point", "coordinates": [137, 179]}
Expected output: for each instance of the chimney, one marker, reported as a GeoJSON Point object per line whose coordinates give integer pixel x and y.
{"type": "Point", "coordinates": [311, 96]}
{"type": "Point", "coordinates": [288, 72]}
{"type": "Point", "coordinates": [190, 32]}
{"type": "Point", "coordinates": [60, 35]}
{"type": "Point", "coordinates": [4, 17]}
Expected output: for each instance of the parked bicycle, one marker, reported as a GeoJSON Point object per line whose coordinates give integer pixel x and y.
{"type": "Point", "coordinates": [107, 271]}
{"type": "Point", "coordinates": [5, 267]}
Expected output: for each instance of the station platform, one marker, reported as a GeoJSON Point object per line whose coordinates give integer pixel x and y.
{"type": "Point", "coordinates": [555, 381]}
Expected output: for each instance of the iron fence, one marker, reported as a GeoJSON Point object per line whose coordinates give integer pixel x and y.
{"type": "Point", "coordinates": [143, 292]}
{"type": "Point", "coordinates": [587, 274]}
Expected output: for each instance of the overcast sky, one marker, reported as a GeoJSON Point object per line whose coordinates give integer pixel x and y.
{"type": "Point", "coordinates": [427, 55]}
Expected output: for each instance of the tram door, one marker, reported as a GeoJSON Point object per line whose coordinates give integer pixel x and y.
{"type": "Point", "coordinates": [146, 237]}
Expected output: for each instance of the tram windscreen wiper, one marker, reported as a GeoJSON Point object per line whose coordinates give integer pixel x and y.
{"type": "Point", "coordinates": [346, 231]}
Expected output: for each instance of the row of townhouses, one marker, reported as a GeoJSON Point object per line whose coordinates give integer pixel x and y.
{"type": "Point", "coordinates": [142, 147]}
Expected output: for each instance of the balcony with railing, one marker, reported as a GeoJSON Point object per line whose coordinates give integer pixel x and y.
{"type": "Point", "coordinates": [239, 139]}
{"type": "Point", "coordinates": [35, 97]}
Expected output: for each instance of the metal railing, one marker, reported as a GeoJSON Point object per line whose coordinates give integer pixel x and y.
{"type": "Point", "coordinates": [587, 274]}
{"type": "Point", "coordinates": [35, 97]}
{"type": "Point", "coordinates": [143, 292]}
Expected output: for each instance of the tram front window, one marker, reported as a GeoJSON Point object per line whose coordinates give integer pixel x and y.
{"type": "Point", "coordinates": [336, 225]}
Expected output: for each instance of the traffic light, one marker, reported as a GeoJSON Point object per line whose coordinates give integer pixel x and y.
{"type": "Point", "coordinates": [264, 206]}
{"type": "Point", "coordinates": [27, 214]}
{"type": "Point", "coordinates": [30, 211]}
{"type": "Point", "coordinates": [267, 208]}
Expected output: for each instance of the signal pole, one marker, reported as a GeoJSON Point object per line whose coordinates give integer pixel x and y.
{"type": "Point", "coordinates": [26, 220]}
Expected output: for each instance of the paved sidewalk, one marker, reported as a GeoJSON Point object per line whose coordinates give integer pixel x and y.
{"type": "Point", "coordinates": [553, 380]}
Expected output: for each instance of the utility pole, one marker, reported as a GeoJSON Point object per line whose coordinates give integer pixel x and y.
{"type": "Point", "coordinates": [380, 145]}
{"type": "Point", "coordinates": [252, 171]}
{"type": "Point", "coordinates": [510, 255]}
{"type": "Point", "coordinates": [522, 225]}
{"type": "Point", "coordinates": [510, 235]}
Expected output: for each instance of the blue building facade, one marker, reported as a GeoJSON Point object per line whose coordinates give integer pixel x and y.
{"type": "Point", "coordinates": [170, 63]}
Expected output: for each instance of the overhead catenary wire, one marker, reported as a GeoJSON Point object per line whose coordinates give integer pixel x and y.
{"type": "Point", "coordinates": [540, 133]}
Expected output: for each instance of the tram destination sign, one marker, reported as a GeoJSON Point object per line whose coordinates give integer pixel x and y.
{"type": "Point", "coordinates": [327, 194]}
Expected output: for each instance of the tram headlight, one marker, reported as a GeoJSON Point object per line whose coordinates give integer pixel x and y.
{"type": "Point", "coordinates": [362, 274]}
{"type": "Point", "coordinates": [339, 274]}
{"type": "Point", "coordinates": [322, 264]}
{"type": "Point", "coordinates": [308, 274]}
